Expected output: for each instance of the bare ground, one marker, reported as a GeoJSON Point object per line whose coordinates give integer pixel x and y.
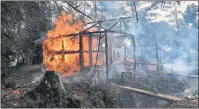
{"type": "Point", "coordinates": [100, 95]}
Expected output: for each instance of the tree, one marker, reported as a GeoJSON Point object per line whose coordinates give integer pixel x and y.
{"type": "Point", "coordinates": [190, 15]}
{"type": "Point", "coordinates": [22, 23]}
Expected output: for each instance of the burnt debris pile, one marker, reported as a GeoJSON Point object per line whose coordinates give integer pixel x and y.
{"type": "Point", "coordinates": [51, 92]}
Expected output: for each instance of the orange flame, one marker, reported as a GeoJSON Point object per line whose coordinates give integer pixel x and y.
{"type": "Point", "coordinates": [17, 92]}
{"type": "Point", "coordinates": [56, 46]}
{"type": "Point", "coordinates": [130, 60]}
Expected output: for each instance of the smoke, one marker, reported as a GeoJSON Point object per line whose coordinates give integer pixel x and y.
{"type": "Point", "coordinates": [176, 50]}
{"type": "Point", "coordinates": [178, 66]}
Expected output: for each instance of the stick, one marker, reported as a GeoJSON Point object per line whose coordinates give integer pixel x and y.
{"type": "Point", "coordinates": [152, 94]}
{"type": "Point", "coordinates": [85, 30]}
{"type": "Point", "coordinates": [110, 20]}
{"type": "Point", "coordinates": [178, 2]}
{"type": "Point", "coordinates": [109, 30]}
{"type": "Point", "coordinates": [78, 10]}
{"type": "Point", "coordinates": [125, 24]}
{"type": "Point", "coordinates": [15, 88]}
{"type": "Point", "coordinates": [113, 25]}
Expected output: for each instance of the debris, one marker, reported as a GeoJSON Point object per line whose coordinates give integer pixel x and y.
{"type": "Point", "coordinates": [53, 93]}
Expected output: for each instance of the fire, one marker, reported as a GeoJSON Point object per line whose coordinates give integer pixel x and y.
{"type": "Point", "coordinates": [17, 92]}
{"type": "Point", "coordinates": [56, 47]}
{"type": "Point", "coordinates": [130, 60]}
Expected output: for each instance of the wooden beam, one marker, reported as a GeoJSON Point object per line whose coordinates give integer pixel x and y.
{"type": "Point", "coordinates": [106, 54]}
{"type": "Point", "coordinates": [81, 54]}
{"type": "Point", "coordinates": [152, 94]}
{"type": "Point", "coordinates": [98, 47]}
{"type": "Point", "coordinates": [71, 52]}
{"type": "Point", "coordinates": [110, 49]}
{"type": "Point", "coordinates": [85, 30]}
{"type": "Point", "coordinates": [141, 58]}
{"type": "Point", "coordinates": [78, 10]}
{"type": "Point", "coordinates": [157, 57]}
{"type": "Point", "coordinates": [134, 55]}
{"type": "Point", "coordinates": [89, 33]}
{"type": "Point", "coordinates": [125, 24]}
{"type": "Point", "coordinates": [109, 20]}
{"type": "Point", "coordinates": [178, 2]}
{"type": "Point", "coordinates": [90, 51]}
{"type": "Point", "coordinates": [143, 63]}
{"type": "Point", "coordinates": [63, 52]}
{"type": "Point", "coordinates": [125, 53]}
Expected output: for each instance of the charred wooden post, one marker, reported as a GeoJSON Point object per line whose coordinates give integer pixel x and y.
{"type": "Point", "coordinates": [81, 53]}
{"type": "Point", "coordinates": [114, 52]}
{"type": "Point", "coordinates": [62, 50]}
{"type": "Point", "coordinates": [134, 59]}
{"type": "Point", "coordinates": [111, 50]}
{"type": "Point", "coordinates": [134, 56]}
{"type": "Point", "coordinates": [98, 47]}
{"type": "Point", "coordinates": [141, 58]}
{"type": "Point", "coordinates": [90, 51]}
{"type": "Point", "coordinates": [157, 57]}
{"type": "Point", "coordinates": [148, 93]}
{"type": "Point", "coordinates": [106, 54]}
{"type": "Point", "coordinates": [125, 53]}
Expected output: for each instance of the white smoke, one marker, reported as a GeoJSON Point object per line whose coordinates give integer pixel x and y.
{"type": "Point", "coordinates": [179, 66]}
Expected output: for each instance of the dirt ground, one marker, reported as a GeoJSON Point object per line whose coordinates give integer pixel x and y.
{"type": "Point", "coordinates": [101, 95]}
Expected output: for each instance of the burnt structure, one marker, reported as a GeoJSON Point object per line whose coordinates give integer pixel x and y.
{"type": "Point", "coordinates": [102, 35]}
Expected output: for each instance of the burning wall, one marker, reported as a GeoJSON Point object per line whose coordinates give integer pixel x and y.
{"type": "Point", "coordinates": [61, 54]}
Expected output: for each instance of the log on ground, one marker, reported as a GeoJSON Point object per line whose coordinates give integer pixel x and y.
{"type": "Point", "coordinates": [152, 94]}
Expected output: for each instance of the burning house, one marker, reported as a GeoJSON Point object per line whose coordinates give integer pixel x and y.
{"type": "Point", "coordinates": [65, 54]}
{"type": "Point", "coordinates": [74, 54]}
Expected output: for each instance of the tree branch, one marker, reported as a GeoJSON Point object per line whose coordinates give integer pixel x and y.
{"type": "Point", "coordinates": [59, 11]}
{"type": "Point", "coordinates": [136, 12]}
{"type": "Point", "coordinates": [78, 10]}
{"type": "Point", "coordinates": [7, 36]}
{"type": "Point", "coordinates": [178, 2]}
